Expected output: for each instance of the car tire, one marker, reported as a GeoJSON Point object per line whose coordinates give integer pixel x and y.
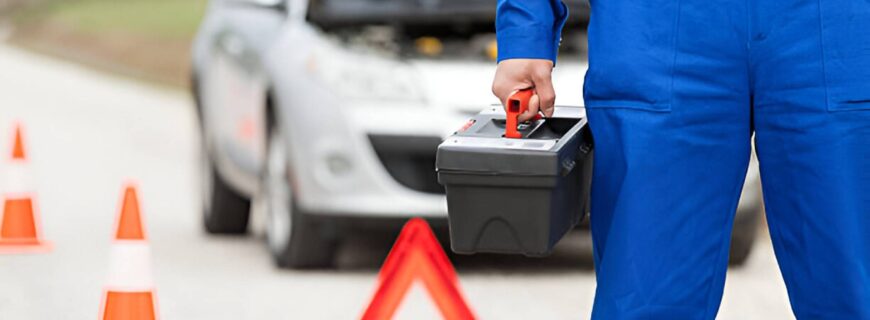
{"type": "Point", "coordinates": [296, 239]}
{"type": "Point", "coordinates": [224, 211]}
{"type": "Point", "coordinates": [743, 235]}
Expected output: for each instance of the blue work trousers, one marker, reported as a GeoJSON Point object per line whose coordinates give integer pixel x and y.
{"type": "Point", "coordinates": [675, 92]}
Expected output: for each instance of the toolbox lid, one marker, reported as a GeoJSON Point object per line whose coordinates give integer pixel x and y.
{"type": "Point", "coordinates": [548, 147]}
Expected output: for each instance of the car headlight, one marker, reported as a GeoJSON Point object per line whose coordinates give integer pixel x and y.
{"type": "Point", "coordinates": [362, 77]}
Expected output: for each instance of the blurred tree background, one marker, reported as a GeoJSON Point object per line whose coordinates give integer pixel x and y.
{"type": "Point", "coordinates": [147, 39]}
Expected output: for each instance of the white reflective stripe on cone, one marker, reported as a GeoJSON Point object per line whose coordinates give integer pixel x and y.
{"type": "Point", "coordinates": [130, 267]}
{"type": "Point", "coordinates": [17, 179]}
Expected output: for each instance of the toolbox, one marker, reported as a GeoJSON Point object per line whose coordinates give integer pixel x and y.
{"type": "Point", "coordinates": [516, 188]}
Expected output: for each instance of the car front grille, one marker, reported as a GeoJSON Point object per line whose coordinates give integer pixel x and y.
{"type": "Point", "coordinates": [410, 160]}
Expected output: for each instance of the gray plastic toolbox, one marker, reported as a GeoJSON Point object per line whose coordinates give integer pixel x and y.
{"type": "Point", "coordinates": [516, 195]}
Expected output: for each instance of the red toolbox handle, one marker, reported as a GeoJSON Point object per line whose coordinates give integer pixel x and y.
{"type": "Point", "coordinates": [517, 103]}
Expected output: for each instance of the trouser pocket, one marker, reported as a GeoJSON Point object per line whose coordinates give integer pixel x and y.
{"type": "Point", "coordinates": [631, 54]}
{"type": "Point", "coordinates": [845, 32]}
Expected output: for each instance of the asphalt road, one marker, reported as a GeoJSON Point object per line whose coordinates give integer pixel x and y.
{"type": "Point", "coordinates": [88, 133]}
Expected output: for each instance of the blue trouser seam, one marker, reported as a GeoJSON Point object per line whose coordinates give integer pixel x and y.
{"type": "Point", "coordinates": [783, 267]}
{"type": "Point", "coordinates": [824, 57]}
{"type": "Point", "coordinates": [750, 79]}
{"type": "Point", "coordinates": [724, 244]}
{"type": "Point", "coordinates": [675, 48]}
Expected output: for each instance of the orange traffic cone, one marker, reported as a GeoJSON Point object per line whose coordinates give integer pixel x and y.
{"type": "Point", "coordinates": [417, 255]}
{"type": "Point", "coordinates": [20, 231]}
{"type": "Point", "coordinates": [129, 292]}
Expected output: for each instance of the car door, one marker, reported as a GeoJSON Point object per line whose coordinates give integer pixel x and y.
{"type": "Point", "coordinates": [235, 89]}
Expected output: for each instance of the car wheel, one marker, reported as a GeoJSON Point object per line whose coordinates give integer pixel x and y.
{"type": "Point", "coordinates": [743, 235]}
{"type": "Point", "coordinates": [224, 211]}
{"type": "Point", "coordinates": [295, 239]}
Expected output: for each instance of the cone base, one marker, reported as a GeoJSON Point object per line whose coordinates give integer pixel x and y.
{"type": "Point", "coordinates": [128, 305]}
{"type": "Point", "coordinates": [24, 246]}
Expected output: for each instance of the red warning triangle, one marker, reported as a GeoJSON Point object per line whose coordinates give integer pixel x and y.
{"type": "Point", "coordinates": [417, 255]}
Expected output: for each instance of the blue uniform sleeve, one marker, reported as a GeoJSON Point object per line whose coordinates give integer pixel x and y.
{"type": "Point", "coordinates": [530, 29]}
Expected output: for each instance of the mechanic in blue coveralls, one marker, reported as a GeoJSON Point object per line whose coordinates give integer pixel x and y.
{"type": "Point", "coordinates": [674, 93]}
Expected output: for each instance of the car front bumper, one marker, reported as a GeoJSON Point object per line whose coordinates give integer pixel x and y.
{"type": "Point", "coordinates": [393, 157]}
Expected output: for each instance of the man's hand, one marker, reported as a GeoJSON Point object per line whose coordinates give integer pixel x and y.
{"type": "Point", "coordinates": [513, 75]}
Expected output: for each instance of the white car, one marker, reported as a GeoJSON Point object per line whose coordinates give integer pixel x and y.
{"type": "Point", "coordinates": [328, 112]}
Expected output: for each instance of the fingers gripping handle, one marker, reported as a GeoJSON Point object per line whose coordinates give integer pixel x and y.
{"type": "Point", "coordinates": [517, 104]}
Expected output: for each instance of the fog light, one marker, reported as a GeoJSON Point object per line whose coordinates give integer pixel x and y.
{"type": "Point", "coordinates": [334, 171]}
{"type": "Point", "coordinates": [338, 165]}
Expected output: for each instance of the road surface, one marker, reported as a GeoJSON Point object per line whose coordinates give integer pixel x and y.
{"type": "Point", "coordinates": [88, 133]}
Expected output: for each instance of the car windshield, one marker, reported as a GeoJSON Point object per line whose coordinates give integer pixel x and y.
{"type": "Point", "coordinates": [427, 28]}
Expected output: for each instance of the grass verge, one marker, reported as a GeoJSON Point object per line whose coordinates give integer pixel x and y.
{"type": "Point", "coordinates": [148, 39]}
